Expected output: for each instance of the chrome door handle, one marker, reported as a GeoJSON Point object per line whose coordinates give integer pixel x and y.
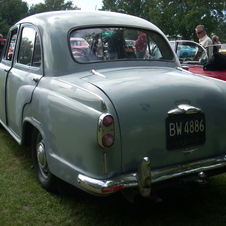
{"type": "Point", "coordinates": [34, 79]}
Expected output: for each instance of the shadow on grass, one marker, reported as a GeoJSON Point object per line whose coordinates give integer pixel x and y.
{"type": "Point", "coordinates": [191, 204]}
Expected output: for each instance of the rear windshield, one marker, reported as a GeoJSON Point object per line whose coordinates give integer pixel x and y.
{"type": "Point", "coordinates": [117, 43]}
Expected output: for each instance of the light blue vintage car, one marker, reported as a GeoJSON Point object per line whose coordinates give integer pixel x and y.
{"type": "Point", "coordinates": [104, 116]}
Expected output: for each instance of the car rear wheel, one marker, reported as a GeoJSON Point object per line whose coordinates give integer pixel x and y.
{"type": "Point", "coordinates": [47, 180]}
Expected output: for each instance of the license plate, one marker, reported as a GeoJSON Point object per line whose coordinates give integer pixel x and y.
{"type": "Point", "coordinates": [185, 130]}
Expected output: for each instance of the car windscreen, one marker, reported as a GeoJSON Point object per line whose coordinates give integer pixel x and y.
{"type": "Point", "coordinates": [189, 52]}
{"type": "Point", "coordinates": [118, 43]}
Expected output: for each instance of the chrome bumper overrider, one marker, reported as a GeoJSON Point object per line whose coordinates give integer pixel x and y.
{"type": "Point", "coordinates": [144, 176]}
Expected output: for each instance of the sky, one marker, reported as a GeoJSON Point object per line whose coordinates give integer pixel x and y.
{"type": "Point", "coordinates": [83, 4]}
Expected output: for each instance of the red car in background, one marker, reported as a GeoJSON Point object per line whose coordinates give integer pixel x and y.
{"type": "Point", "coordinates": [195, 62]}
{"type": "Point", "coordinates": [79, 46]}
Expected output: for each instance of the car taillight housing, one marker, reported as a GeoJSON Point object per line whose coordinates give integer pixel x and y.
{"type": "Point", "coordinates": [106, 131]}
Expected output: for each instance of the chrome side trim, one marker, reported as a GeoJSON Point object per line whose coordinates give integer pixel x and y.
{"type": "Point", "coordinates": [105, 187]}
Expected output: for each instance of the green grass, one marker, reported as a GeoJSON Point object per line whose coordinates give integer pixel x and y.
{"type": "Point", "coordinates": [24, 202]}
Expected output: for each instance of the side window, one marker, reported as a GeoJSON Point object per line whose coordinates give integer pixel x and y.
{"type": "Point", "coordinates": [26, 46]}
{"type": "Point", "coordinates": [36, 59]}
{"type": "Point", "coordinates": [11, 45]}
{"type": "Point", "coordinates": [189, 52]}
{"type": "Point", "coordinates": [29, 50]}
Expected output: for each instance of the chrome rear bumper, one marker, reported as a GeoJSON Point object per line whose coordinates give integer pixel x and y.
{"type": "Point", "coordinates": [144, 177]}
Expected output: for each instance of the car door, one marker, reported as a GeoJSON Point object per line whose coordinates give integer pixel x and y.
{"type": "Point", "coordinates": [5, 66]}
{"type": "Point", "coordinates": [21, 71]}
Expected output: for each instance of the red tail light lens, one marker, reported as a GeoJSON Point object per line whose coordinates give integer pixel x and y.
{"type": "Point", "coordinates": [108, 120]}
{"type": "Point", "coordinates": [107, 140]}
{"type": "Point", "coordinates": [106, 131]}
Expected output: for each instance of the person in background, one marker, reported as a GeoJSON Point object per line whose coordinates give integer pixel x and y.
{"type": "Point", "coordinates": [116, 45]}
{"type": "Point", "coordinates": [204, 39]}
{"type": "Point", "coordinates": [216, 44]}
{"type": "Point", "coordinates": [2, 43]}
{"type": "Point", "coordinates": [141, 44]}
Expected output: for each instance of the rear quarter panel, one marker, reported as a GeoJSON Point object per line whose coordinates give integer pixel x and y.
{"type": "Point", "coordinates": [68, 116]}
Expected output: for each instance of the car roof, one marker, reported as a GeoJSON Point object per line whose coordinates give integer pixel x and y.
{"type": "Point", "coordinates": [54, 29]}
{"type": "Point", "coordinates": [77, 18]}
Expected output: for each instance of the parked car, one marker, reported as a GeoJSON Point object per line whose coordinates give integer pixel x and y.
{"type": "Point", "coordinates": [199, 53]}
{"type": "Point", "coordinates": [108, 124]}
{"type": "Point", "coordinates": [195, 64]}
{"type": "Point", "coordinates": [186, 51]}
{"type": "Point", "coordinates": [79, 46]}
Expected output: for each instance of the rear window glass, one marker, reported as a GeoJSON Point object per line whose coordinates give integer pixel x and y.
{"type": "Point", "coordinates": [117, 43]}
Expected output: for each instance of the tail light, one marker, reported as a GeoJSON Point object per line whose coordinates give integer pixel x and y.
{"type": "Point", "coordinates": [106, 132]}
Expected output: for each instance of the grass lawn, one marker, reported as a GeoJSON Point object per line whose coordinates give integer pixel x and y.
{"type": "Point", "coordinates": [24, 202]}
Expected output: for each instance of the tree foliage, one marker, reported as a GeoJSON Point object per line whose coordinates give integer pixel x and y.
{"type": "Point", "coordinates": [51, 5]}
{"type": "Point", "coordinates": [138, 8]}
{"type": "Point", "coordinates": [178, 17]}
{"type": "Point", "coordinates": [12, 11]}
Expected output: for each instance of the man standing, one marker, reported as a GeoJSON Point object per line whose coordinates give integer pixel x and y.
{"type": "Point", "coordinates": [141, 44]}
{"type": "Point", "coordinates": [204, 39]}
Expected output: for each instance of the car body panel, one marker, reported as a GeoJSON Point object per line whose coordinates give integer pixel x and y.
{"type": "Point", "coordinates": [197, 69]}
{"type": "Point", "coordinates": [69, 108]}
{"type": "Point", "coordinates": [108, 124]}
{"type": "Point", "coordinates": [143, 133]}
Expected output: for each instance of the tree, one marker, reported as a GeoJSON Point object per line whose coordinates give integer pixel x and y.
{"type": "Point", "coordinates": [176, 17]}
{"type": "Point", "coordinates": [11, 11]}
{"type": "Point", "coordinates": [138, 8]}
{"type": "Point", "coordinates": [51, 5]}
{"type": "Point", "coordinates": [4, 27]}
{"type": "Point", "coordinates": [180, 17]}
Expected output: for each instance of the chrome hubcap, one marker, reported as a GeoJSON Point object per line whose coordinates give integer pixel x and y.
{"type": "Point", "coordinates": [42, 161]}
